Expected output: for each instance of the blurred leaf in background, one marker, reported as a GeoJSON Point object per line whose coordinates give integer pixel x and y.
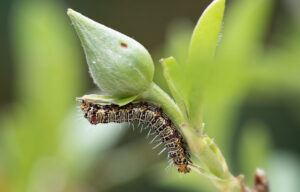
{"type": "Point", "coordinates": [48, 76]}
{"type": "Point", "coordinates": [252, 109]}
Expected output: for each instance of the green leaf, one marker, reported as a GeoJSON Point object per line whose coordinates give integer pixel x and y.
{"type": "Point", "coordinates": [119, 65]}
{"type": "Point", "coordinates": [106, 99]}
{"type": "Point", "coordinates": [171, 71]}
{"type": "Point", "coordinates": [206, 33]}
{"type": "Point", "coordinates": [202, 50]}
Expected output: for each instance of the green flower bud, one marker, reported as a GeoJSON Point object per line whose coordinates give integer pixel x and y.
{"type": "Point", "coordinates": [119, 65]}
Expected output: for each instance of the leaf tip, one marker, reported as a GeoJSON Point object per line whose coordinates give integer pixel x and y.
{"type": "Point", "coordinates": [162, 60]}
{"type": "Point", "coordinates": [69, 11]}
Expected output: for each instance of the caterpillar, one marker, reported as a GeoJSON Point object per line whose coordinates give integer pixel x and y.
{"type": "Point", "coordinates": [148, 114]}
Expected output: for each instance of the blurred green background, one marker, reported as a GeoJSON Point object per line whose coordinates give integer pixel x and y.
{"type": "Point", "coordinates": [46, 145]}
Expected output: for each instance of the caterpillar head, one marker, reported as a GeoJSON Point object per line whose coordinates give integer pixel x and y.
{"type": "Point", "coordinates": [85, 106]}
{"type": "Point", "coordinates": [183, 168]}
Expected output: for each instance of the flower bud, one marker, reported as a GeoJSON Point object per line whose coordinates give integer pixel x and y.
{"type": "Point", "coordinates": [118, 64]}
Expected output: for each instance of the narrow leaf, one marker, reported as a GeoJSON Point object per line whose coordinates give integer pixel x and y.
{"type": "Point", "coordinates": [171, 71]}
{"type": "Point", "coordinates": [207, 31]}
{"type": "Point", "coordinates": [202, 50]}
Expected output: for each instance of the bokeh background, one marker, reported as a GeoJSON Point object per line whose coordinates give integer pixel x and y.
{"type": "Point", "coordinates": [46, 145]}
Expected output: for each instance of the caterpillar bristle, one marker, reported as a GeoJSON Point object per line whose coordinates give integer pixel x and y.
{"type": "Point", "coordinates": [153, 139]}
{"type": "Point", "coordinates": [157, 145]}
{"type": "Point", "coordinates": [148, 134]}
{"type": "Point", "coordinates": [162, 151]}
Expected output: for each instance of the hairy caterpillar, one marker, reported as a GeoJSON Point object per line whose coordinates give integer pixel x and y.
{"type": "Point", "coordinates": [148, 114]}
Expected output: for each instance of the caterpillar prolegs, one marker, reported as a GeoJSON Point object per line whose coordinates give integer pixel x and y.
{"type": "Point", "coordinates": [148, 114]}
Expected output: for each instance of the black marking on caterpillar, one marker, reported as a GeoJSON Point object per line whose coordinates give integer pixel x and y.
{"type": "Point", "coordinates": [148, 114]}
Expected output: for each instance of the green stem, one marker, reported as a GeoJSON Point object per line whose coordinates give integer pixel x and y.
{"type": "Point", "coordinates": [201, 146]}
{"type": "Point", "coordinates": [211, 157]}
{"type": "Point", "coordinates": [156, 95]}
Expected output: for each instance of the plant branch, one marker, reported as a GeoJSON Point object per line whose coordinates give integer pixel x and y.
{"type": "Point", "coordinates": [156, 95]}
{"type": "Point", "coordinates": [201, 146]}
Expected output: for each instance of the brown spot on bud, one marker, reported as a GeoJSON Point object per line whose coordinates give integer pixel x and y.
{"type": "Point", "coordinates": [124, 45]}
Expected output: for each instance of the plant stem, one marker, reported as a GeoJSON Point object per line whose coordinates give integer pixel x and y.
{"type": "Point", "coordinates": [200, 145]}
{"type": "Point", "coordinates": [211, 157]}
{"type": "Point", "coordinates": [156, 95]}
